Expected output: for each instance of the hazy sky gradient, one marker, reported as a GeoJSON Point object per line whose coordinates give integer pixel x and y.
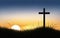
{"type": "Point", "coordinates": [26, 10]}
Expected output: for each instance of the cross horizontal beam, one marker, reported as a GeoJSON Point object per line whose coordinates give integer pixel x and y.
{"type": "Point", "coordinates": [45, 13]}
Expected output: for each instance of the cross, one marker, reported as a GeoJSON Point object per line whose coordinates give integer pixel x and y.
{"type": "Point", "coordinates": [44, 16]}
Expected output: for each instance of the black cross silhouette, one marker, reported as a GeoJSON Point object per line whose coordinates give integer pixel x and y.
{"type": "Point", "coordinates": [44, 16]}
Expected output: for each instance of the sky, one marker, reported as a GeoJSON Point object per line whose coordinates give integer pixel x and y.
{"type": "Point", "coordinates": [25, 13]}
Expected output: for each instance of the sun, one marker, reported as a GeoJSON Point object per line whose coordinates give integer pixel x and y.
{"type": "Point", "coordinates": [16, 27]}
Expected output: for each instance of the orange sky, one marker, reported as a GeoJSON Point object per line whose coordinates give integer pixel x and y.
{"type": "Point", "coordinates": [29, 22]}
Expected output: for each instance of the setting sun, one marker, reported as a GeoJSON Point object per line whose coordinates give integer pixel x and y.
{"type": "Point", "coordinates": [15, 27]}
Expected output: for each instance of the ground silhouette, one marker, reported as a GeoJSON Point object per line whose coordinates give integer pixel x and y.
{"type": "Point", "coordinates": [37, 33]}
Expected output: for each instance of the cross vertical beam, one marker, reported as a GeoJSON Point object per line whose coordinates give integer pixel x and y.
{"type": "Point", "coordinates": [44, 16]}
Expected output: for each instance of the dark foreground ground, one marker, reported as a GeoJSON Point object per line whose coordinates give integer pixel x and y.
{"type": "Point", "coordinates": [37, 33]}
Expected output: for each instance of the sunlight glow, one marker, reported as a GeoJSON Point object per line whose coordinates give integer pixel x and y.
{"type": "Point", "coordinates": [15, 27]}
